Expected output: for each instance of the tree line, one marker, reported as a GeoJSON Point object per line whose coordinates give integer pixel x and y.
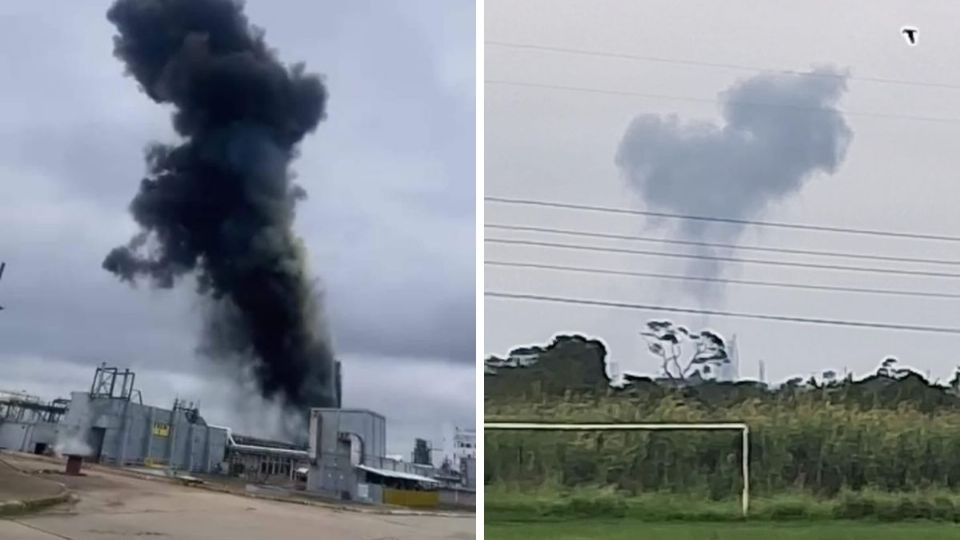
{"type": "Point", "coordinates": [892, 431]}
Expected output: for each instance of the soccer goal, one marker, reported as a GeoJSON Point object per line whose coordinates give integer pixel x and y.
{"type": "Point", "coordinates": [731, 426]}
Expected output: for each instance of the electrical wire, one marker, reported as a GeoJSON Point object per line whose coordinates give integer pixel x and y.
{"type": "Point", "coordinates": [719, 258]}
{"type": "Point", "coordinates": [716, 219]}
{"type": "Point", "coordinates": [700, 63]}
{"type": "Point", "coordinates": [719, 313]}
{"type": "Point", "coordinates": [726, 281]}
{"type": "Point", "coordinates": [611, 236]}
{"type": "Point", "coordinates": [588, 90]}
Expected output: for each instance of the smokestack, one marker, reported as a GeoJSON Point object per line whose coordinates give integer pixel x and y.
{"type": "Point", "coordinates": [339, 386]}
{"type": "Point", "coordinates": [219, 203]}
{"type": "Point", "coordinates": [778, 131]}
{"type": "Point", "coordinates": [3, 266]}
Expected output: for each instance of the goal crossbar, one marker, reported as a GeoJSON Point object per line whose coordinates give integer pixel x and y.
{"type": "Point", "coordinates": [721, 426]}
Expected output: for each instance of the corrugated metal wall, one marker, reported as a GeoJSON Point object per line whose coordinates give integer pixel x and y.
{"type": "Point", "coordinates": [135, 434]}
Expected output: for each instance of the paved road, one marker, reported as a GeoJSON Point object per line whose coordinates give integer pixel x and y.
{"type": "Point", "coordinates": [115, 507]}
{"type": "Point", "coordinates": [16, 486]}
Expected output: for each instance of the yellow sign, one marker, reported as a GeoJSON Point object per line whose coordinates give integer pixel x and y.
{"type": "Point", "coordinates": [154, 462]}
{"type": "Point", "coordinates": [416, 499]}
{"type": "Point", "coordinates": [160, 429]}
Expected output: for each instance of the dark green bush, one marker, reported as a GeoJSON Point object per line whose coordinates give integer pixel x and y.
{"type": "Point", "coordinates": [855, 506]}
{"type": "Point", "coordinates": [595, 506]}
{"type": "Point", "coordinates": [789, 511]}
{"type": "Point", "coordinates": [943, 509]}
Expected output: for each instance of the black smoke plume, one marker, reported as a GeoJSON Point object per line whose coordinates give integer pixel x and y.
{"type": "Point", "coordinates": [220, 203]}
{"type": "Point", "coordinates": [778, 131]}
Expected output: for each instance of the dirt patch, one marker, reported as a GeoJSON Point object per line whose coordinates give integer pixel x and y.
{"type": "Point", "coordinates": [17, 486]}
{"type": "Point", "coordinates": [85, 482]}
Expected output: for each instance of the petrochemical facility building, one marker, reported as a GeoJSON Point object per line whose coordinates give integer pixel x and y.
{"type": "Point", "coordinates": [345, 458]}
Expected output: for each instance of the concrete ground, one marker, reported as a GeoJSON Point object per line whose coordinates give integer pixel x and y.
{"type": "Point", "coordinates": [116, 506]}
{"type": "Point", "coordinates": [16, 486]}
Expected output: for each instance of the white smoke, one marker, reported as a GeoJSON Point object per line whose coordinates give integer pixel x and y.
{"type": "Point", "coordinates": [71, 442]}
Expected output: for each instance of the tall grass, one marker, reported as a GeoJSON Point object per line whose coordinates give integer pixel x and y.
{"type": "Point", "coordinates": [798, 445]}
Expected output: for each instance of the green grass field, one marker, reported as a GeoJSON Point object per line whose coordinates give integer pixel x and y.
{"type": "Point", "coordinates": [503, 504]}
{"type": "Point", "coordinates": [603, 514]}
{"type": "Point", "coordinates": [626, 529]}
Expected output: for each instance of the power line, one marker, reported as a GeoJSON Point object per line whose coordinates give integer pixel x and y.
{"type": "Point", "coordinates": [718, 313]}
{"type": "Point", "coordinates": [583, 89]}
{"type": "Point", "coordinates": [699, 63]}
{"type": "Point", "coordinates": [611, 236]}
{"type": "Point", "coordinates": [777, 284]}
{"type": "Point", "coordinates": [715, 219]}
{"type": "Point", "coordinates": [724, 259]}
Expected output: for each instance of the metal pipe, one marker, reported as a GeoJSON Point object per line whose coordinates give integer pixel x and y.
{"type": "Point", "coordinates": [124, 434]}
{"type": "Point", "coordinates": [225, 428]}
{"type": "Point", "coordinates": [271, 450]}
{"type": "Point", "coordinates": [173, 434]}
{"type": "Point", "coordinates": [231, 443]}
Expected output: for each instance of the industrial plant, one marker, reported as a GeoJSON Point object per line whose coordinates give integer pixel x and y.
{"type": "Point", "coordinates": [345, 458]}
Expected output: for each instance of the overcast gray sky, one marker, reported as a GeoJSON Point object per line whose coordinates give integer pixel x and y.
{"type": "Point", "coordinates": [561, 146]}
{"type": "Point", "coordinates": [389, 221]}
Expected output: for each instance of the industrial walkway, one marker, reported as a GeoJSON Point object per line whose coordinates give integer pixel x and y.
{"type": "Point", "coordinates": [114, 506]}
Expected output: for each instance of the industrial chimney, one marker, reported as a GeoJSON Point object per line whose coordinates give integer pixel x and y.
{"type": "Point", "coordinates": [337, 373]}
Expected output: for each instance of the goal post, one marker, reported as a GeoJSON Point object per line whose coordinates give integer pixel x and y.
{"type": "Point", "coordinates": [721, 426]}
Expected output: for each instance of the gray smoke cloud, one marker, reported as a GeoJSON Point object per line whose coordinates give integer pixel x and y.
{"type": "Point", "coordinates": [778, 131]}
{"type": "Point", "coordinates": [219, 204]}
